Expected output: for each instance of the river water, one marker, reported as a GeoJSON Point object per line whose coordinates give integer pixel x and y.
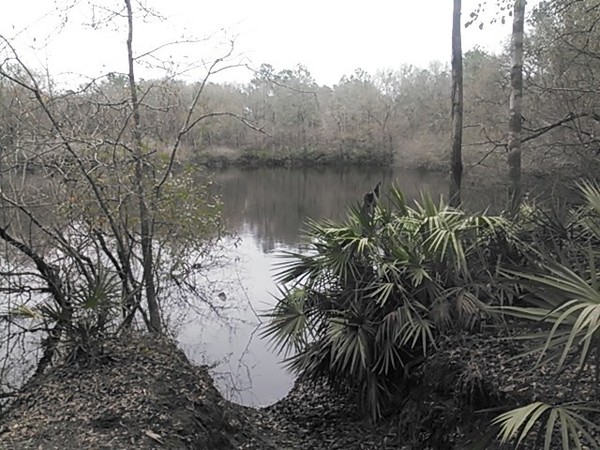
{"type": "Point", "coordinates": [266, 209]}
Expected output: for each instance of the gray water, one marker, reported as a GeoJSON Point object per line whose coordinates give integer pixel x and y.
{"type": "Point", "coordinates": [266, 209]}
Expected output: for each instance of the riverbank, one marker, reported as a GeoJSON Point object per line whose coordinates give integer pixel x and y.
{"type": "Point", "coordinates": [143, 393]}
{"type": "Point", "coordinates": [219, 157]}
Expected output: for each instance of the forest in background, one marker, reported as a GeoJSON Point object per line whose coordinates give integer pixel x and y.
{"type": "Point", "coordinates": [400, 117]}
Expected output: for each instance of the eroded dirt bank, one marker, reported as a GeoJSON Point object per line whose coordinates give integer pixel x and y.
{"type": "Point", "coordinates": [141, 392]}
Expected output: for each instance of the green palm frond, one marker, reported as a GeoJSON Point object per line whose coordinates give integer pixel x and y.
{"type": "Point", "coordinates": [398, 201]}
{"type": "Point", "coordinates": [562, 280]}
{"type": "Point", "coordinates": [589, 217]}
{"type": "Point", "coordinates": [468, 307]}
{"type": "Point", "coordinates": [427, 207]}
{"type": "Point", "coordinates": [293, 267]}
{"type": "Point", "coordinates": [457, 308]}
{"type": "Point", "coordinates": [591, 194]}
{"type": "Point", "coordinates": [416, 327]}
{"type": "Point", "coordinates": [417, 274]}
{"type": "Point", "coordinates": [99, 291]}
{"type": "Point", "coordinates": [51, 311]}
{"type": "Point", "coordinates": [565, 301]}
{"type": "Point", "coordinates": [350, 346]}
{"type": "Point", "coordinates": [391, 358]}
{"type": "Point", "coordinates": [567, 421]}
{"type": "Point", "coordinates": [382, 292]}
{"type": "Point", "coordinates": [287, 328]}
{"type": "Point", "coordinates": [21, 311]}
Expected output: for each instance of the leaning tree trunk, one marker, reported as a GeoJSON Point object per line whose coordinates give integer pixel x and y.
{"type": "Point", "coordinates": [516, 107]}
{"type": "Point", "coordinates": [456, 167]}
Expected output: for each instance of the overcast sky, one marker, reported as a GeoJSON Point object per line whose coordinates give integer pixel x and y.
{"type": "Point", "coordinates": [330, 37]}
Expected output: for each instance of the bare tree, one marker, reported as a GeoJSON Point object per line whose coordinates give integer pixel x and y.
{"type": "Point", "coordinates": [516, 106]}
{"type": "Point", "coordinates": [562, 66]}
{"type": "Point", "coordinates": [146, 231]}
{"type": "Point", "coordinates": [457, 108]}
{"type": "Point", "coordinates": [97, 217]}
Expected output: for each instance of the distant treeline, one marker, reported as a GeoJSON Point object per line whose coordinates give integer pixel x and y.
{"type": "Point", "coordinates": [402, 117]}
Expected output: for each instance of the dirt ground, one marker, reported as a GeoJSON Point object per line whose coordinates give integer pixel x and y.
{"type": "Point", "coordinates": [141, 392]}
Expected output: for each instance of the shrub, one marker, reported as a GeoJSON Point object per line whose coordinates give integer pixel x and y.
{"type": "Point", "coordinates": [362, 307]}
{"type": "Point", "coordinates": [562, 298]}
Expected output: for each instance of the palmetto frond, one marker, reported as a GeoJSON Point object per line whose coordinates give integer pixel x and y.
{"type": "Point", "coordinates": [350, 345]}
{"type": "Point", "coordinates": [569, 304]}
{"type": "Point", "coordinates": [590, 216]}
{"type": "Point", "coordinates": [567, 420]}
{"type": "Point", "coordinates": [287, 328]}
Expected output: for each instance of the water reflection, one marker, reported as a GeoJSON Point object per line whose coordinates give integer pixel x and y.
{"type": "Point", "coordinates": [272, 204]}
{"type": "Point", "coordinates": [245, 369]}
{"type": "Point", "coordinates": [267, 209]}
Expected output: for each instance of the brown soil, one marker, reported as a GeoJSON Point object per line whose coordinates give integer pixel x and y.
{"type": "Point", "coordinates": [141, 392]}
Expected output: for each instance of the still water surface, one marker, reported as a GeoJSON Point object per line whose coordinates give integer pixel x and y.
{"type": "Point", "coordinates": [266, 209]}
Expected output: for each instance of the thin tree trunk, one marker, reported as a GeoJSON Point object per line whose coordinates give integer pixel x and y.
{"type": "Point", "coordinates": [456, 167]}
{"type": "Point", "coordinates": [516, 107]}
{"type": "Point", "coordinates": [145, 216]}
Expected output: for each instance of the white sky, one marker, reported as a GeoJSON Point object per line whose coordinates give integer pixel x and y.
{"type": "Point", "coordinates": [330, 37]}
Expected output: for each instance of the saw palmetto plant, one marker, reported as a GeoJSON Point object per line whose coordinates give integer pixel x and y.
{"type": "Point", "coordinates": [563, 300]}
{"type": "Point", "coordinates": [363, 305]}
